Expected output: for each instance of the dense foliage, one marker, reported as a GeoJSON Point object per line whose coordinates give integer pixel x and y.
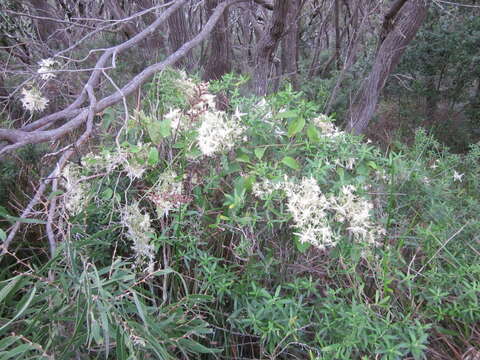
{"type": "Point", "coordinates": [261, 231]}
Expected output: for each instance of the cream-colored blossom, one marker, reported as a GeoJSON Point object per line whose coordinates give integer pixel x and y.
{"type": "Point", "coordinates": [139, 231]}
{"type": "Point", "coordinates": [33, 100]}
{"type": "Point", "coordinates": [457, 176]}
{"type": "Point", "coordinates": [315, 214]}
{"type": "Point", "coordinates": [76, 193]}
{"type": "Point", "coordinates": [326, 126]}
{"type": "Point", "coordinates": [167, 193]}
{"type": "Point", "coordinates": [46, 68]}
{"type": "Point", "coordinates": [217, 133]}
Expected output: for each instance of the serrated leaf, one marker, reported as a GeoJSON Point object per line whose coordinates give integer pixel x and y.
{"type": "Point", "coordinates": [259, 152]}
{"type": "Point", "coordinates": [296, 126]}
{"type": "Point", "coordinates": [153, 156]}
{"type": "Point", "coordinates": [291, 162]}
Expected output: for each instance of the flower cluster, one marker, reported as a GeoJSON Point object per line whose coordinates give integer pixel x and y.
{"type": "Point", "coordinates": [33, 100]}
{"type": "Point", "coordinates": [76, 194]}
{"type": "Point", "coordinates": [167, 193]}
{"type": "Point", "coordinates": [139, 231]}
{"type": "Point", "coordinates": [133, 161]}
{"type": "Point", "coordinates": [217, 132]}
{"type": "Point", "coordinates": [314, 213]}
{"type": "Point", "coordinates": [46, 68]}
{"type": "Point", "coordinates": [324, 123]}
{"type": "Point", "coordinates": [309, 207]}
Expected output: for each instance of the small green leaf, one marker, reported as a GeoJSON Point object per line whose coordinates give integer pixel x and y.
{"type": "Point", "coordinates": [296, 126]}
{"type": "Point", "coordinates": [312, 133]}
{"type": "Point", "coordinates": [243, 158]}
{"type": "Point", "coordinates": [165, 127]}
{"type": "Point", "coordinates": [3, 235]}
{"type": "Point", "coordinates": [291, 162]}
{"type": "Point", "coordinates": [153, 156]}
{"type": "Point", "coordinates": [301, 246]}
{"type": "Point", "coordinates": [107, 194]}
{"type": "Point", "coordinates": [259, 152]}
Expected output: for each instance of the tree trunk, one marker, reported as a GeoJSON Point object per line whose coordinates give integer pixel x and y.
{"type": "Point", "coordinates": [178, 35]}
{"type": "Point", "coordinates": [219, 58]}
{"type": "Point", "coordinates": [404, 27]}
{"type": "Point", "coordinates": [267, 45]}
{"type": "Point", "coordinates": [49, 32]}
{"type": "Point", "coordinates": [290, 45]}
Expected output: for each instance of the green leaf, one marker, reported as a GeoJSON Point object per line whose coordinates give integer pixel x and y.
{"type": "Point", "coordinates": [3, 235]}
{"type": "Point", "coordinates": [157, 130]}
{"type": "Point", "coordinates": [139, 306]}
{"type": "Point", "coordinates": [55, 194]}
{"type": "Point", "coordinates": [107, 194]}
{"type": "Point", "coordinates": [312, 134]}
{"type": "Point", "coordinates": [107, 118]}
{"type": "Point", "coordinates": [153, 156]}
{"type": "Point", "coordinates": [22, 220]}
{"type": "Point", "coordinates": [243, 158]}
{"type": "Point", "coordinates": [8, 288]}
{"type": "Point", "coordinates": [296, 126]}
{"type": "Point", "coordinates": [291, 162]}
{"type": "Point", "coordinates": [287, 114]}
{"type": "Point", "coordinates": [121, 349]}
{"type": "Point", "coordinates": [22, 310]}
{"type": "Point", "coordinates": [259, 152]}
{"type": "Point", "coordinates": [301, 246]}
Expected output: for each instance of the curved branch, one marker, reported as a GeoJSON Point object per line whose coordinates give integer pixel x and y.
{"type": "Point", "coordinates": [87, 114]}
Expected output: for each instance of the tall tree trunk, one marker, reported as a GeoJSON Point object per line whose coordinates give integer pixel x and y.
{"type": "Point", "coordinates": [178, 35]}
{"type": "Point", "coordinates": [290, 45]}
{"type": "Point", "coordinates": [155, 42]}
{"type": "Point", "coordinates": [337, 34]}
{"type": "Point", "coordinates": [267, 45]}
{"type": "Point", "coordinates": [219, 58]}
{"type": "Point", "coordinates": [402, 28]}
{"type": "Point", "coordinates": [48, 31]}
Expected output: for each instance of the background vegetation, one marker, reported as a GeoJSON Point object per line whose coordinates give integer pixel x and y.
{"type": "Point", "coordinates": [209, 217]}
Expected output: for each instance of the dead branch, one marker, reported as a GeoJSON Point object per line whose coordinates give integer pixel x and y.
{"type": "Point", "coordinates": [86, 115]}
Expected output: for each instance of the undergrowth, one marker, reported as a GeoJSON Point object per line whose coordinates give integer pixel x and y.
{"type": "Point", "coordinates": [259, 232]}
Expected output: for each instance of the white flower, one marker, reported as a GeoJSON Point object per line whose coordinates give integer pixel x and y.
{"type": "Point", "coordinates": [167, 193]}
{"type": "Point", "coordinates": [328, 129]}
{"type": "Point", "coordinates": [217, 133]}
{"type": "Point", "coordinates": [76, 195]}
{"type": "Point", "coordinates": [238, 115]}
{"type": "Point", "coordinates": [139, 231]}
{"type": "Point", "coordinates": [46, 68]}
{"type": "Point", "coordinates": [175, 117]}
{"type": "Point", "coordinates": [33, 101]}
{"type": "Point", "coordinates": [457, 177]}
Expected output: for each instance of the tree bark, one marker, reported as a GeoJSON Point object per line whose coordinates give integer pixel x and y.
{"type": "Point", "coordinates": [178, 35]}
{"type": "Point", "coordinates": [290, 45]}
{"type": "Point", "coordinates": [267, 45]}
{"type": "Point", "coordinates": [48, 31]}
{"type": "Point", "coordinates": [219, 58]}
{"type": "Point", "coordinates": [405, 25]}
